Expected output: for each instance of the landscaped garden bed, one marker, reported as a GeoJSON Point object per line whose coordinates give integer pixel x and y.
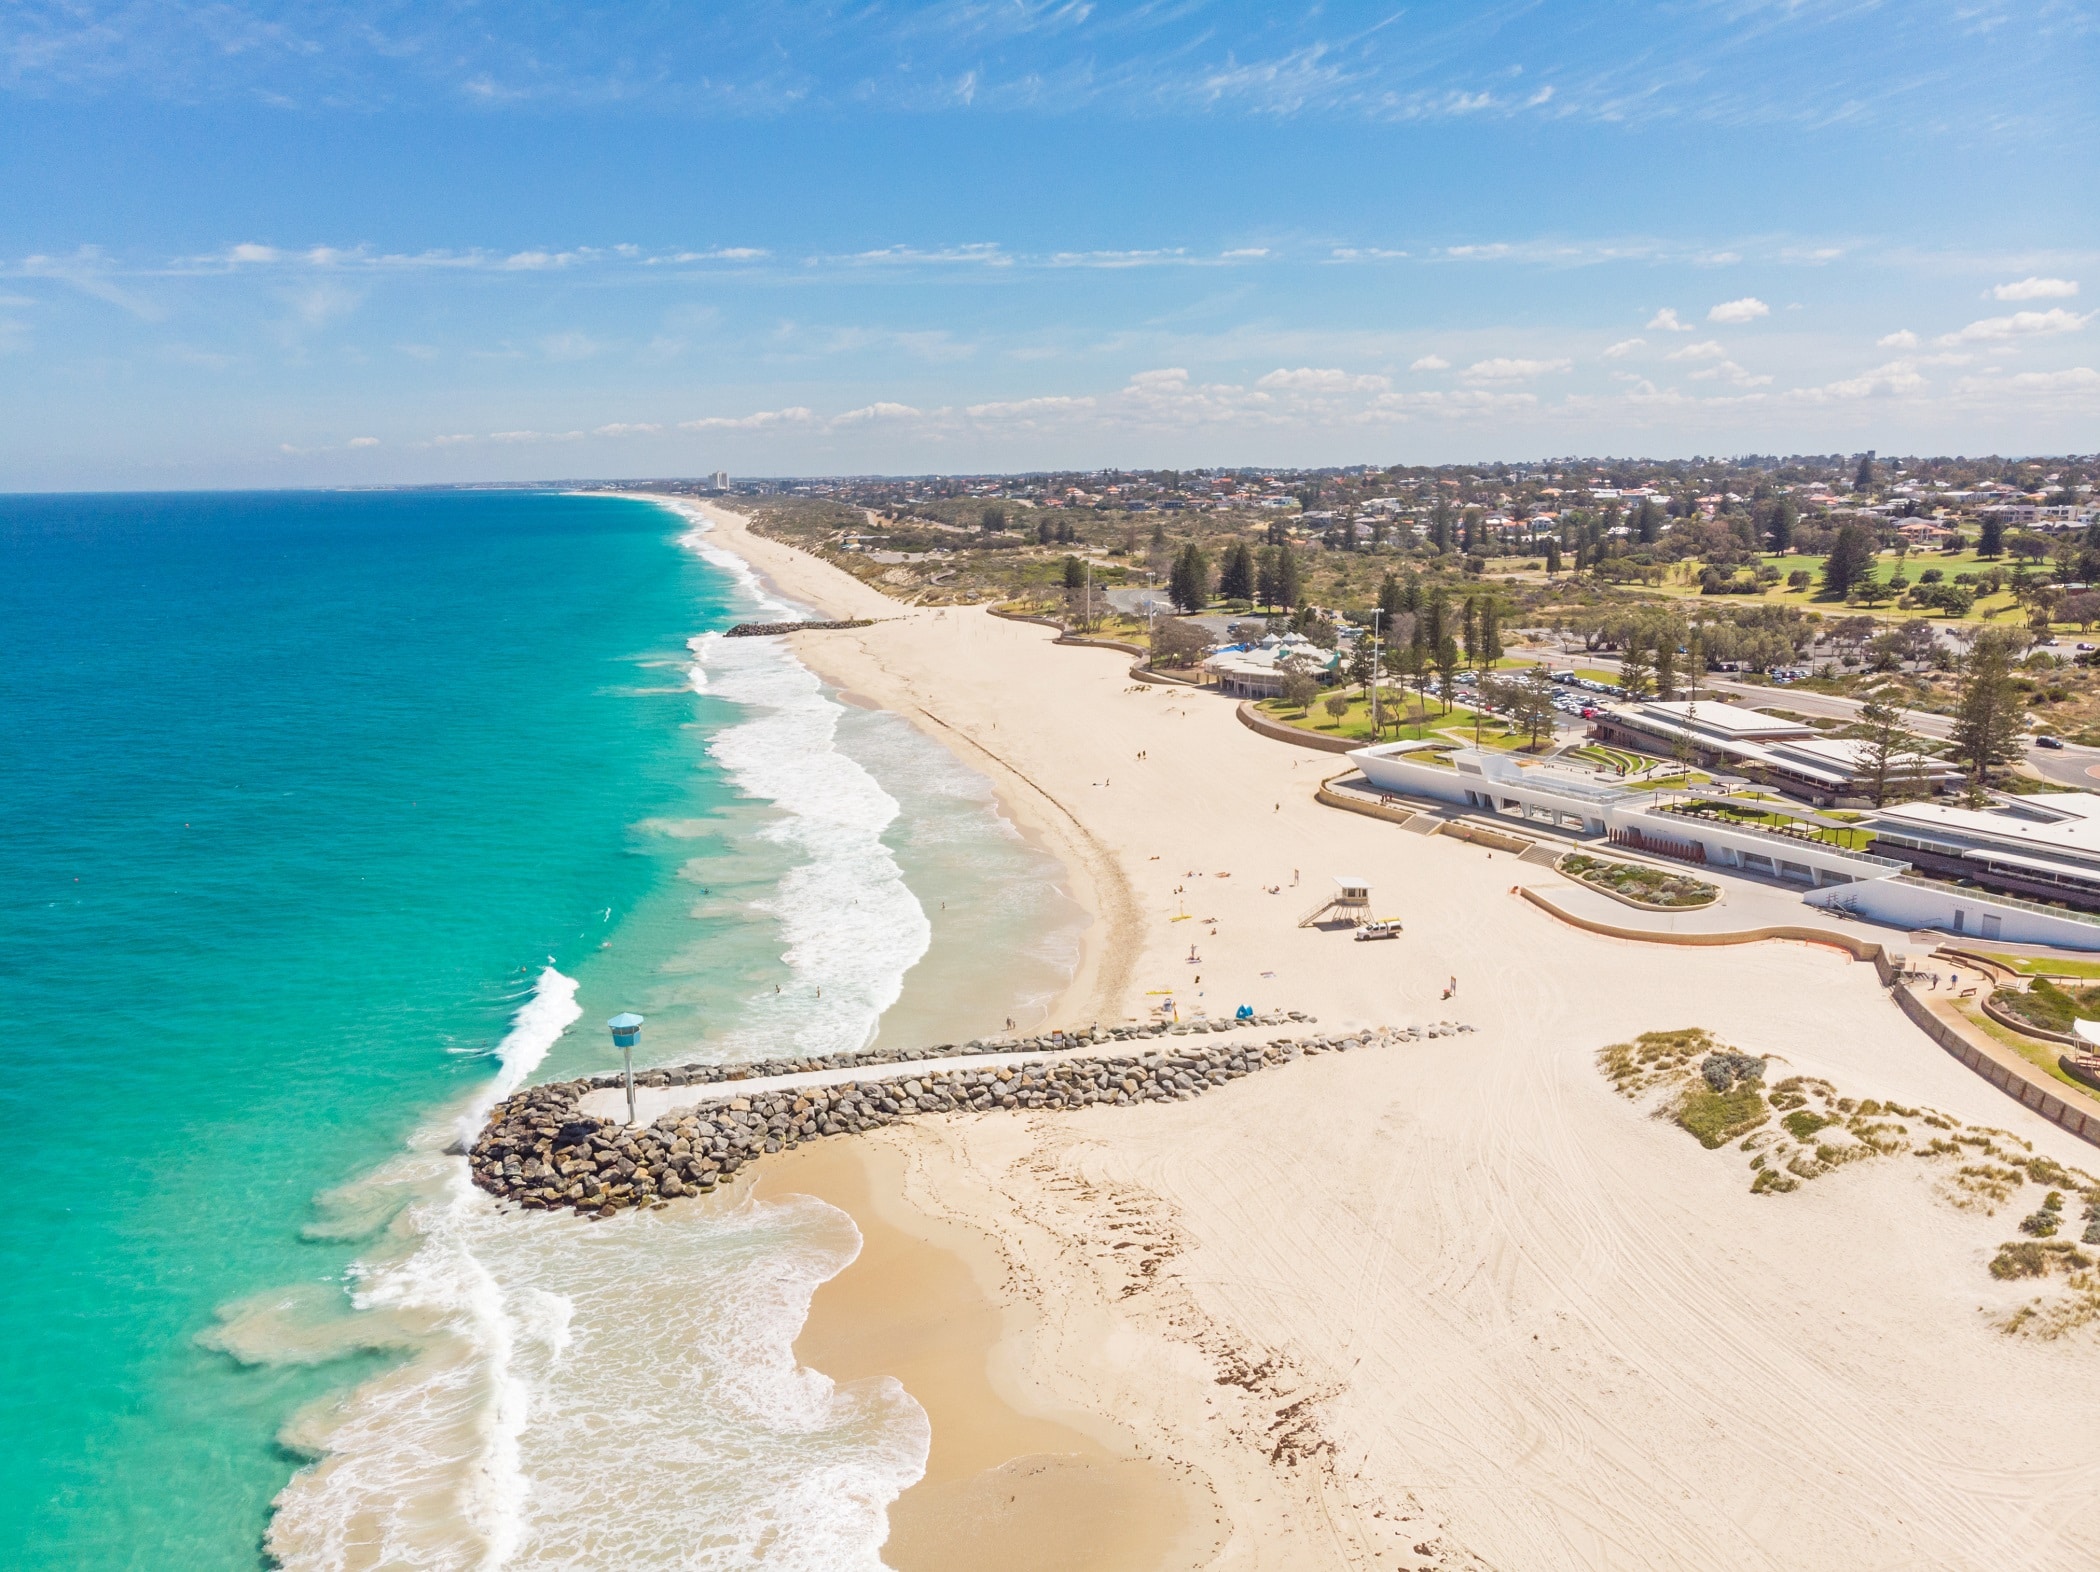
{"type": "Point", "coordinates": [1637, 882]}
{"type": "Point", "coordinates": [2045, 1005]}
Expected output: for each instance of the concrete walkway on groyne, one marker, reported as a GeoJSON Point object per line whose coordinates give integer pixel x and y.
{"type": "Point", "coordinates": [653, 1102]}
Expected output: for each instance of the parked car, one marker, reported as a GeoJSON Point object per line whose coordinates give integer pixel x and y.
{"type": "Point", "coordinates": [2047, 741]}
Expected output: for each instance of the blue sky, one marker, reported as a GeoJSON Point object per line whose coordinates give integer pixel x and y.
{"type": "Point", "coordinates": [290, 244]}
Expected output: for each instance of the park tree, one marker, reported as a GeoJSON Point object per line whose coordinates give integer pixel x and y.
{"type": "Point", "coordinates": [1236, 576]}
{"type": "Point", "coordinates": [1988, 715]}
{"type": "Point", "coordinates": [1851, 559]}
{"type": "Point", "coordinates": [1075, 574]}
{"type": "Point", "coordinates": [1889, 753]}
{"type": "Point", "coordinates": [1447, 669]}
{"type": "Point", "coordinates": [1779, 526]}
{"type": "Point", "coordinates": [1990, 540]}
{"type": "Point", "coordinates": [993, 518]}
{"type": "Point", "coordinates": [1633, 665]}
{"type": "Point", "coordinates": [1440, 518]}
{"type": "Point", "coordinates": [1648, 522]}
{"type": "Point", "coordinates": [1664, 663]}
{"type": "Point", "coordinates": [1362, 658]}
{"type": "Point", "coordinates": [1863, 477]}
{"type": "Point", "coordinates": [1178, 644]}
{"type": "Point", "coordinates": [1188, 586]}
{"type": "Point", "coordinates": [1530, 700]}
{"type": "Point", "coordinates": [1552, 554]}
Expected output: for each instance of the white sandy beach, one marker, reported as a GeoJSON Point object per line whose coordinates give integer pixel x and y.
{"type": "Point", "coordinates": [1454, 1303]}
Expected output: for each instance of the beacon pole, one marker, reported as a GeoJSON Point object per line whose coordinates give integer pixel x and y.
{"type": "Point", "coordinates": [626, 1032]}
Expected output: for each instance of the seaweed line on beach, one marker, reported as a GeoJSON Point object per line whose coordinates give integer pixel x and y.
{"type": "Point", "coordinates": [540, 1151]}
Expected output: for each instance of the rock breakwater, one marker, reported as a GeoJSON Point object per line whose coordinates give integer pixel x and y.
{"type": "Point", "coordinates": [539, 1150]}
{"type": "Point", "coordinates": [768, 630]}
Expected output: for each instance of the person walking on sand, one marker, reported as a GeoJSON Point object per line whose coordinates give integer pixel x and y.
{"type": "Point", "coordinates": [1452, 988]}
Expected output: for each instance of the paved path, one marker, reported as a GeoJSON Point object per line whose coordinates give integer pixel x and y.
{"type": "Point", "coordinates": [652, 1102]}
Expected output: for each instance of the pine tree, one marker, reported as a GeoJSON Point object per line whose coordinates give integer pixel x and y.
{"type": "Point", "coordinates": [1988, 716]}
{"type": "Point", "coordinates": [1889, 752]}
{"type": "Point", "coordinates": [1851, 559]}
{"type": "Point", "coordinates": [1863, 479]}
{"type": "Point", "coordinates": [1552, 554]}
{"type": "Point", "coordinates": [1236, 577]}
{"type": "Point", "coordinates": [1633, 666]}
{"type": "Point", "coordinates": [1779, 526]}
{"type": "Point", "coordinates": [1290, 589]}
{"type": "Point", "coordinates": [1665, 666]}
{"type": "Point", "coordinates": [1990, 542]}
{"type": "Point", "coordinates": [1647, 524]}
{"type": "Point", "coordinates": [1188, 586]}
{"type": "Point", "coordinates": [1392, 601]}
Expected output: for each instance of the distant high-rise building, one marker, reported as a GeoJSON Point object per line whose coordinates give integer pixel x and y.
{"type": "Point", "coordinates": [721, 479]}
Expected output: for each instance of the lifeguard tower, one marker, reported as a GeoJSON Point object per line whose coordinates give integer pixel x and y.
{"type": "Point", "coordinates": [1350, 904]}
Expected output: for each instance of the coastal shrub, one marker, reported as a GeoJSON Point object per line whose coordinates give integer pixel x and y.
{"type": "Point", "coordinates": [2042, 1003]}
{"type": "Point", "coordinates": [1724, 1069]}
{"type": "Point", "coordinates": [1656, 886]}
{"type": "Point", "coordinates": [2030, 1258]}
{"type": "Point", "coordinates": [1653, 1058]}
{"type": "Point", "coordinates": [1716, 1118]}
{"type": "Point", "coordinates": [1802, 1124]}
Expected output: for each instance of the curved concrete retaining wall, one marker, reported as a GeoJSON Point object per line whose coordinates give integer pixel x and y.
{"type": "Point", "coordinates": [1481, 835]}
{"type": "Point", "coordinates": [1254, 720]}
{"type": "Point", "coordinates": [1355, 804]}
{"type": "Point", "coordinates": [2012, 1075]}
{"type": "Point", "coordinates": [2019, 1081]}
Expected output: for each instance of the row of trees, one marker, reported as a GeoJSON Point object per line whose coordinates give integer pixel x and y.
{"type": "Point", "coordinates": [1265, 576]}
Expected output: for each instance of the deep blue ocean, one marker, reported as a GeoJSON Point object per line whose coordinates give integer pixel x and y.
{"type": "Point", "coordinates": [305, 797]}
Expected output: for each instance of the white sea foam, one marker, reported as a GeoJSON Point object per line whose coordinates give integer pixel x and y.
{"type": "Point", "coordinates": [624, 1394]}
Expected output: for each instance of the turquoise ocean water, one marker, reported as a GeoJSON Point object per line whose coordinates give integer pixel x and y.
{"type": "Point", "coordinates": [327, 815]}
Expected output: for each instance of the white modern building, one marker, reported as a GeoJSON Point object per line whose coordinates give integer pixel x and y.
{"type": "Point", "coordinates": [2045, 845]}
{"type": "Point", "coordinates": [1587, 806]}
{"type": "Point", "coordinates": [1787, 754]}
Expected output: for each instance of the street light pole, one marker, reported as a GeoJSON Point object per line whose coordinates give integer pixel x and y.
{"type": "Point", "coordinates": [1376, 613]}
{"type": "Point", "coordinates": [626, 1032]}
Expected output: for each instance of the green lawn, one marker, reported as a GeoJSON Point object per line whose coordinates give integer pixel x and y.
{"type": "Point", "coordinates": [1682, 582]}
{"type": "Point", "coordinates": [2030, 966]}
{"type": "Point", "coordinates": [1354, 723]}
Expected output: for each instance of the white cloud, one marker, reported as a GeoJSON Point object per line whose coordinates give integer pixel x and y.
{"type": "Point", "coordinates": [1904, 338]}
{"type": "Point", "coordinates": [2037, 289]}
{"type": "Point", "coordinates": [1307, 379]}
{"type": "Point", "coordinates": [1898, 376]}
{"type": "Point", "coordinates": [1243, 253]}
{"type": "Point", "coordinates": [1665, 321]}
{"type": "Point", "coordinates": [2021, 324]}
{"type": "Point", "coordinates": [624, 428]}
{"type": "Point", "coordinates": [364, 442]}
{"type": "Point", "coordinates": [1748, 309]}
{"type": "Point", "coordinates": [1624, 347]}
{"type": "Point", "coordinates": [880, 410]}
{"type": "Point", "coordinates": [1365, 254]}
{"type": "Point", "coordinates": [757, 421]}
{"type": "Point", "coordinates": [1706, 349]}
{"type": "Point", "coordinates": [1166, 377]}
{"type": "Point", "coordinates": [1505, 369]}
{"type": "Point", "coordinates": [535, 436]}
{"type": "Point", "coordinates": [1732, 374]}
{"type": "Point", "coordinates": [1029, 408]}
{"type": "Point", "coordinates": [247, 252]}
{"type": "Point", "coordinates": [1431, 363]}
{"type": "Point", "coordinates": [2074, 379]}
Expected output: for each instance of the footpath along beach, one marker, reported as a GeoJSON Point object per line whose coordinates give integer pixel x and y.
{"type": "Point", "coordinates": [1453, 1302]}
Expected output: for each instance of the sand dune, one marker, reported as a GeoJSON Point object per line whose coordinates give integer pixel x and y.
{"type": "Point", "coordinates": [1457, 1303]}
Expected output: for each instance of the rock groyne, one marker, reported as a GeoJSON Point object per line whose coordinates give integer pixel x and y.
{"type": "Point", "coordinates": [539, 1149]}
{"type": "Point", "coordinates": [767, 630]}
